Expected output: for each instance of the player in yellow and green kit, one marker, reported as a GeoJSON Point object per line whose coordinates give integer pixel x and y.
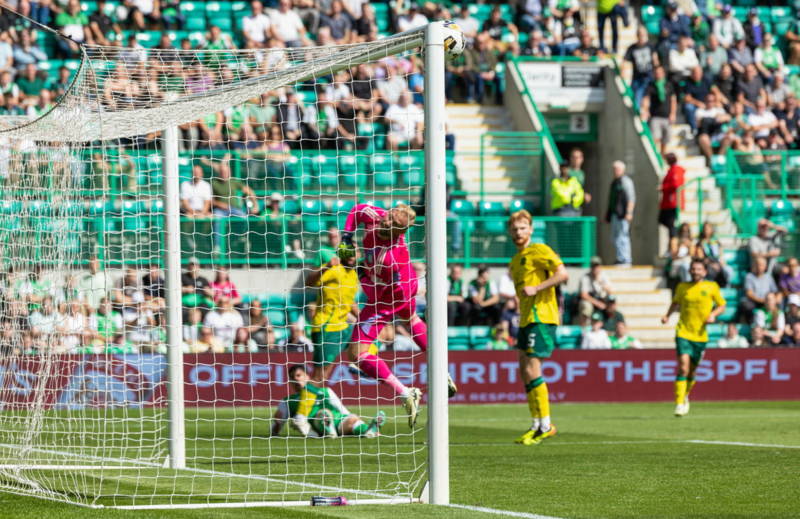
{"type": "Point", "coordinates": [536, 271]}
{"type": "Point", "coordinates": [700, 302]}
{"type": "Point", "coordinates": [317, 411]}
{"type": "Point", "coordinates": [330, 331]}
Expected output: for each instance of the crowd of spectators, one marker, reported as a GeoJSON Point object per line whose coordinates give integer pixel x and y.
{"type": "Point", "coordinates": [727, 78]}
{"type": "Point", "coordinates": [96, 312]}
{"type": "Point", "coordinates": [493, 303]}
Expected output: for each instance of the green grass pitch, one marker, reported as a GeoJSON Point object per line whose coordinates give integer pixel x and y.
{"type": "Point", "coordinates": [726, 459]}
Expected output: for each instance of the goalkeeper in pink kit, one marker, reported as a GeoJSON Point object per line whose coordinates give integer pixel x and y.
{"type": "Point", "coordinates": [390, 283]}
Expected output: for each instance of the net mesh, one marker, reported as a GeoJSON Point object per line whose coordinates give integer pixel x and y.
{"type": "Point", "coordinates": [276, 148]}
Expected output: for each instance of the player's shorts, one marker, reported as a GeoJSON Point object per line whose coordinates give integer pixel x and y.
{"type": "Point", "coordinates": [537, 340]}
{"type": "Point", "coordinates": [694, 349]}
{"type": "Point", "coordinates": [371, 320]}
{"type": "Point", "coordinates": [328, 345]}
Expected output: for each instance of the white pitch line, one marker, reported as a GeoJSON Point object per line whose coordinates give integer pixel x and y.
{"type": "Point", "coordinates": [496, 511]}
{"type": "Point", "coordinates": [744, 444]}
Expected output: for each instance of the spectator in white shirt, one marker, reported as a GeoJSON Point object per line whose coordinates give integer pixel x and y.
{"type": "Point", "coordinates": [762, 121]}
{"type": "Point", "coordinates": [406, 123]}
{"type": "Point", "coordinates": [224, 321]}
{"type": "Point", "coordinates": [411, 19]}
{"type": "Point", "coordinates": [255, 27]}
{"type": "Point", "coordinates": [287, 26]}
{"type": "Point", "coordinates": [682, 59]}
{"type": "Point", "coordinates": [196, 195]}
{"type": "Point", "coordinates": [727, 28]}
{"type": "Point", "coordinates": [596, 338]}
{"type": "Point", "coordinates": [469, 24]}
{"type": "Point", "coordinates": [732, 338]}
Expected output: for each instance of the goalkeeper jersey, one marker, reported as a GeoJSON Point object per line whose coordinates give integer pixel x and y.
{"type": "Point", "coordinates": [529, 267]}
{"type": "Point", "coordinates": [310, 400]}
{"type": "Point", "coordinates": [338, 289]}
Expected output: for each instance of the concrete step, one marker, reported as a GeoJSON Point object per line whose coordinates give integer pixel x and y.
{"type": "Point", "coordinates": [645, 310]}
{"type": "Point", "coordinates": [647, 322]}
{"type": "Point", "coordinates": [475, 109]}
{"type": "Point", "coordinates": [615, 274]}
{"type": "Point", "coordinates": [647, 334]}
{"type": "Point", "coordinates": [624, 298]}
{"type": "Point", "coordinates": [638, 285]}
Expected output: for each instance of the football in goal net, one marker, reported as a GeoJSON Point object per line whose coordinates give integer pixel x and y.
{"type": "Point", "coordinates": [221, 272]}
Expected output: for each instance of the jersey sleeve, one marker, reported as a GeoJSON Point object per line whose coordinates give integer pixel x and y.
{"type": "Point", "coordinates": [547, 259]}
{"type": "Point", "coordinates": [679, 293]}
{"type": "Point", "coordinates": [716, 295]}
{"type": "Point", "coordinates": [363, 214]}
{"type": "Point", "coordinates": [334, 402]}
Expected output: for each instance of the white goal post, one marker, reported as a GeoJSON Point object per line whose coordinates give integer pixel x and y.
{"type": "Point", "coordinates": [70, 441]}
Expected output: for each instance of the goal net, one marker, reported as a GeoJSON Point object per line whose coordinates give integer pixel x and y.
{"type": "Point", "coordinates": [274, 148]}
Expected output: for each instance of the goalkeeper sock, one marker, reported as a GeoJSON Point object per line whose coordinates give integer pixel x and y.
{"type": "Point", "coordinates": [680, 389]}
{"type": "Point", "coordinates": [360, 428]}
{"type": "Point", "coordinates": [532, 405]}
{"type": "Point", "coordinates": [690, 382]}
{"type": "Point", "coordinates": [419, 332]}
{"type": "Point", "coordinates": [376, 368]}
{"type": "Point", "coordinates": [542, 402]}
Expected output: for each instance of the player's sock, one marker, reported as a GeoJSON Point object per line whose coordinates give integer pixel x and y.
{"type": "Point", "coordinates": [360, 428]}
{"type": "Point", "coordinates": [690, 382]}
{"type": "Point", "coordinates": [376, 368]}
{"type": "Point", "coordinates": [419, 332]}
{"type": "Point", "coordinates": [532, 404]}
{"type": "Point", "coordinates": [680, 389]}
{"type": "Point", "coordinates": [542, 402]}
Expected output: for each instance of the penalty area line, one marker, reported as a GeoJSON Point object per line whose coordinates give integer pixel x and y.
{"type": "Point", "coordinates": [497, 511]}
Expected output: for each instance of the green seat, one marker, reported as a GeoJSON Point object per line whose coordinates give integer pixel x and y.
{"type": "Point", "coordinates": [519, 205]}
{"type": "Point", "coordinates": [462, 207]}
{"type": "Point", "coordinates": [312, 206]}
{"type": "Point", "coordinates": [413, 178]}
{"type": "Point", "coordinates": [352, 170]}
{"type": "Point", "coordinates": [479, 336]}
{"type": "Point", "coordinates": [219, 14]}
{"type": "Point", "coordinates": [342, 207]}
{"type": "Point", "coordinates": [291, 206]}
{"type": "Point", "coordinates": [781, 14]}
{"type": "Point", "coordinates": [729, 314]}
{"type": "Point", "coordinates": [383, 179]}
{"type": "Point", "coordinates": [458, 338]}
{"type": "Point", "coordinates": [381, 162]}
{"type": "Point", "coordinates": [195, 16]}
{"type": "Point", "coordinates": [651, 17]}
{"type": "Point", "coordinates": [381, 15]}
{"type": "Point", "coordinates": [781, 209]}
{"type": "Point", "coordinates": [276, 316]}
{"type": "Point", "coordinates": [568, 337]}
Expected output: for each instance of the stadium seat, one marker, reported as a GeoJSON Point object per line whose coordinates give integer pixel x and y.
{"type": "Point", "coordinates": [195, 16]}
{"type": "Point", "coordinates": [381, 162]}
{"type": "Point", "coordinates": [651, 16]}
{"type": "Point", "coordinates": [462, 207]}
{"type": "Point", "coordinates": [781, 14]}
{"type": "Point", "coordinates": [568, 337]}
{"type": "Point", "coordinates": [479, 336]}
{"type": "Point", "coordinates": [458, 338]}
{"type": "Point", "coordinates": [353, 170]}
{"type": "Point", "coordinates": [219, 14]}
{"type": "Point", "coordinates": [518, 205]}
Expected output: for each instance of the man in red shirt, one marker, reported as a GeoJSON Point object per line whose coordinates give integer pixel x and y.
{"type": "Point", "coordinates": [672, 181]}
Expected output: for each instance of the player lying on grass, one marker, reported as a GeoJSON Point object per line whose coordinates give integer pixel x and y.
{"type": "Point", "coordinates": [390, 284]}
{"type": "Point", "coordinates": [317, 411]}
{"type": "Point", "coordinates": [330, 330]}
{"type": "Point", "coordinates": [696, 301]}
{"type": "Point", "coordinates": [536, 270]}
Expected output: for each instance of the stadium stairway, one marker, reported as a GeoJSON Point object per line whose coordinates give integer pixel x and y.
{"type": "Point", "coordinates": [503, 174]}
{"type": "Point", "coordinates": [683, 144]}
{"type": "Point", "coordinates": [643, 297]}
